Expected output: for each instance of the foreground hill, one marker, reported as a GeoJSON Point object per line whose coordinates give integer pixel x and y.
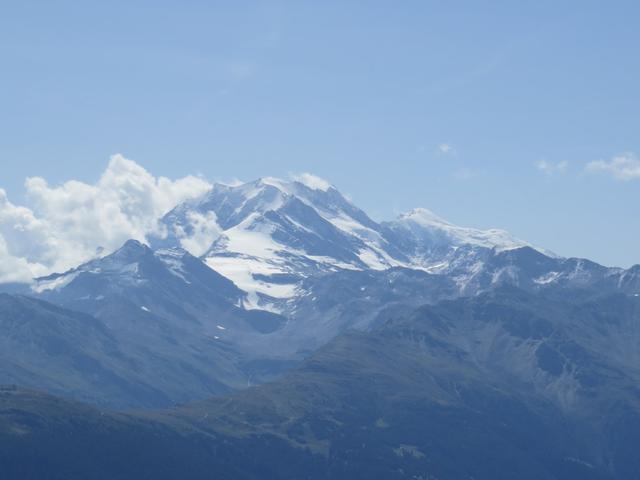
{"type": "Point", "coordinates": [74, 354]}
{"type": "Point", "coordinates": [504, 385]}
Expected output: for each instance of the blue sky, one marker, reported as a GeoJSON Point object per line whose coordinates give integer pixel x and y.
{"type": "Point", "coordinates": [487, 113]}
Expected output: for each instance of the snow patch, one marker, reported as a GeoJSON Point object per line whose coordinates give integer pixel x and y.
{"type": "Point", "coordinates": [332, 262]}
{"type": "Point", "coordinates": [43, 285]}
{"type": "Point", "coordinates": [251, 237]}
{"type": "Point", "coordinates": [371, 260]}
{"type": "Point", "coordinates": [547, 278]}
{"type": "Point", "coordinates": [173, 260]}
{"type": "Point", "coordinates": [241, 270]}
{"type": "Point", "coordinates": [421, 220]}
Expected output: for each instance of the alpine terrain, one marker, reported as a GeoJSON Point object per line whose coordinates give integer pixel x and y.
{"type": "Point", "coordinates": [273, 330]}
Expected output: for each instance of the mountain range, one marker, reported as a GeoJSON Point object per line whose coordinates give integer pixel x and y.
{"type": "Point", "coordinates": [276, 317]}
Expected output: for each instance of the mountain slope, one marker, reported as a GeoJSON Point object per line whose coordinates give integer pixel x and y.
{"type": "Point", "coordinates": [168, 283]}
{"type": "Point", "coordinates": [176, 321]}
{"type": "Point", "coordinates": [332, 303]}
{"type": "Point", "coordinates": [428, 239]}
{"type": "Point", "coordinates": [505, 385]}
{"type": "Point", "coordinates": [518, 386]}
{"type": "Point", "coordinates": [68, 353]}
{"type": "Point", "coordinates": [477, 271]}
{"type": "Point", "coordinates": [171, 278]}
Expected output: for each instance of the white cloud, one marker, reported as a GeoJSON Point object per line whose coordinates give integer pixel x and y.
{"type": "Point", "coordinates": [234, 182]}
{"type": "Point", "coordinates": [445, 149]}
{"type": "Point", "coordinates": [625, 167]}
{"type": "Point", "coordinates": [550, 168]}
{"type": "Point", "coordinates": [17, 269]}
{"type": "Point", "coordinates": [64, 225]}
{"type": "Point", "coordinates": [204, 231]}
{"type": "Point", "coordinates": [311, 181]}
{"type": "Point", "coordinates": [25, 245]}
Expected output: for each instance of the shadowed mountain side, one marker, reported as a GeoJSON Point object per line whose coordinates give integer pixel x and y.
{"type": "Point", "coordinates": [505, 385]}
{"type": "Point", "coordinates": [144, 362]}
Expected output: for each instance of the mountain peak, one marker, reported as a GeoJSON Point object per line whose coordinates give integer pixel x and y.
{"type": "Point", "coordinates": [431, 238]}
{"type": "Point", "coordinates": [278, 183]}
{"type": "Point", "coordinates": [313, 182]}
{"type": "Point", "coordinates": [308, 180]}
{"type": "Point", "coordinates": [131, 251]}
{"type": "Point", "coordinates": [422, 216]}
{"type": "Point", "coordinates": [133, 245]}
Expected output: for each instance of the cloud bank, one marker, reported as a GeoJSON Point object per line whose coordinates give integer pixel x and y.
{"type": "Point", "coordinates": [63, 226]}
{"type": "Point", "coordinates": [625, 167]}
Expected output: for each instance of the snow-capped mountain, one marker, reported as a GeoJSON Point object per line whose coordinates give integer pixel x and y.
{"type": "Point", "coordinates": [285, 247]}
{"type": "Point", "coordinates": [429, 239]}
{"type": "Point", "coordinates": [180, 322]}
{"type": "Point", "coordinates": [169, 284]}
{"type": "Point", "coordinates": [134, 268]}
{"type": "Point", "coordinates": [267, 236]}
